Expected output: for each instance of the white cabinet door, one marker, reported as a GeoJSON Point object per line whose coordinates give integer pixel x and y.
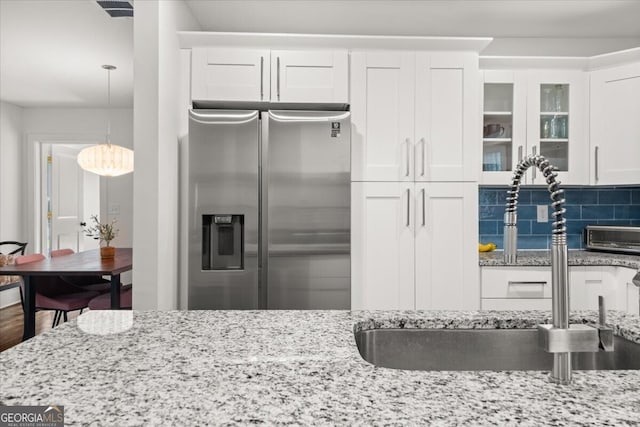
{"type": "Point", "coordinates": [625, 280]}
{"type": "Point", "coordinates": [614, 125]}
{"type": "Point", "coordinates": [310, 76]}
{"type": "Point", "coordinates": [220, 74]}
{"type": "Point", "coordinates": [504, 125]}
{"type": "Point", "coordinates": [446, 248]}
{"type": "Point", "coordinates": [556, 123]}
{"type": "Point", "coordinates": [382, 242]}
{"type": "Point", "coordinates": [382, 114]}
{"type": "Point", "coordinates": [446, 106]}
{"type": "Point", "coordinates": [535, 112]}
{"type": "Point", "coordinates": [588, 283]}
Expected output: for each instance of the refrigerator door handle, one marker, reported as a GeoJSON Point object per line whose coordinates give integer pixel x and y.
{"type": "Point", "coordinates": [307, 116]}
{"type": "Point", "coordinates": [263, 209]}
{"type": "Point", "coordinates": [227, 117]}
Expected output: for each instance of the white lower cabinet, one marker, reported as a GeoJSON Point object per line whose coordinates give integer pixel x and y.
{"type": "Point", "coordinates": [516, 288]}
{"type": "Point", "coordinates": [625, 277]}
{"type": "Point", "coordinates": [529, 288]}
{"type": "Point", "coordinates": [382, 246]}
{"type": "Point", "coordinates": [446, 248]}
{"type": "Point", "coordinates": [414, 246]}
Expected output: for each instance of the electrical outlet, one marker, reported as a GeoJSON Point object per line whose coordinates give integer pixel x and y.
{"type": "Point", "coordinates": [114, 209]}
{"type": "Point", "coordinates": [543, 213]}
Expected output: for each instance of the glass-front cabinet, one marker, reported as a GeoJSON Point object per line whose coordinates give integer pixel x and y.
{"type": "Point", "coordinates": [534, 112]}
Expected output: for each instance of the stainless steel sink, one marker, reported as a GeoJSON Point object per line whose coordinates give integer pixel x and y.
{"type": "Point", "coordinates": [479, 350]}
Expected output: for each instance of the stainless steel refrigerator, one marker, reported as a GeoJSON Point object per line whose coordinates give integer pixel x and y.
{"type": "Point", "coordinates": [269, 209]}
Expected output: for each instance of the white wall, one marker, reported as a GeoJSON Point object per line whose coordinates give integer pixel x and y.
{"type": "Point", "coordinates": [156, 131]}
{"type": "Point", "coordinates": [12, 227]}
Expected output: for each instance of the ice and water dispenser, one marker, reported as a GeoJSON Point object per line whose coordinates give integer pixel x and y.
{"type": "Point", "coordinates": [222, 242]}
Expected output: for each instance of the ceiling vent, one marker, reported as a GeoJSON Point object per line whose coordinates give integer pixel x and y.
{"type": "Point", "coordinates": [117, 9]}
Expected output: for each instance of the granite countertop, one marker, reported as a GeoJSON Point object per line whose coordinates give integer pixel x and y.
{"type": "Point", "coordinates": [293, 367]}
{"type": "Point", "coordinates": [576, 258]}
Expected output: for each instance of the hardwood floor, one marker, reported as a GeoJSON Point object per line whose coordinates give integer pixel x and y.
{"type": "Point", "coordinates": [11, 321]}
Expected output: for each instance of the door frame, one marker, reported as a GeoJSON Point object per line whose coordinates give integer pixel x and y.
{"type": "Point", "coordinates": [34, 191]}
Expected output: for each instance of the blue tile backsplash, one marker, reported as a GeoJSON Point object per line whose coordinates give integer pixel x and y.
{"type": "Point", "coordinates": [585, 205]}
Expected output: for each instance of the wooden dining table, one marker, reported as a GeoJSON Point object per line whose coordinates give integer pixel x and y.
{"type": "Point", "coordinates": [77, 264]}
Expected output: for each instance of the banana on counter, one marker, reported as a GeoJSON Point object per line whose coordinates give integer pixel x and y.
{"type": "Point", "coordinates": [487, 247]}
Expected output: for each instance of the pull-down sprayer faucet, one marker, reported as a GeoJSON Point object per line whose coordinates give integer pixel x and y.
{"type": "Point", "coordinates": [558, 338]}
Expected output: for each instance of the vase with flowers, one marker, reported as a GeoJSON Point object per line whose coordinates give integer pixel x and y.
{"type": "Point", "coordinates": [104, 232]}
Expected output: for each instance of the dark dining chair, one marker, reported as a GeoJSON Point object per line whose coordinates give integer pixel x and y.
{"type": "Point", "coordinates": [12, 248]}
{"type": "Point", "coordinates": [15, 247]}
{"type": "Point", "coordinates": [53, 293]}
{"type": "Point", "coordinates": [86, 282]}
{"type": "Point", "coordinates": [103, 302]}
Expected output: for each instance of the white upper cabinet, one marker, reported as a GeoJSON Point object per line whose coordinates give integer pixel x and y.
{"type": "Point", "coordinates": [230, 74]}
{"type": "Point", "coordinates": [446, 108]}
{"type": "Point", "coordinates": [414, 116]}
{"type": "Point", "coordinates": [615, 125]}
{"type": "Point", "coordinates": [310, 76]}
{"type": "Point", "coordinates": [382, 99]}
{"type": "Point", "coordinates": [223, 74]}
{"type": "Point", "coordinates": [534, 112]}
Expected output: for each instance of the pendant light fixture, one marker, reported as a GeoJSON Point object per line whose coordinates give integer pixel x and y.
{"type": "Point", "coordinates": [107, 159]}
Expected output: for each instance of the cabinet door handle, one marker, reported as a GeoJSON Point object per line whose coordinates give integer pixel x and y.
{"type": "Point", "coordinates": [407, 165]}
{"type": "Point", "coordinates": [423, 143]}
{"type": "Point", "coordinates": [408, 207]}
{"type": "Point", "coordinates": [261, 78]}
{"type": "Point", "coordinates": [597, 152]}
{"type": "Point", "coordinates": [519, 153]}
{"type": "Point", "coordinates": [424, 208]}
{"type": "Point", "coordinates": [278, 77]}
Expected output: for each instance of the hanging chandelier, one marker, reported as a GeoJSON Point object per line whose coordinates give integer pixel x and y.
{"type": "Point", "coordinates": [107, 159]}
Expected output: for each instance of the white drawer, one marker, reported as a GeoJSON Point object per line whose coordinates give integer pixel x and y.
{"type": "Point", "coordinates": [516, 304]}
{"type": "Point", "coordinates": [516, 282]}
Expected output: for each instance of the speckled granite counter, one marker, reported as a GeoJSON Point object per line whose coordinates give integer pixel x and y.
{"type": "Point", "coordinates": [538, 258]}
{"type": "Point", "coordinates": [288, 367]}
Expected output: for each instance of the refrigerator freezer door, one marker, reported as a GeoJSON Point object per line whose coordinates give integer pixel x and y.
{"type": "Point", "coordinates": [306, 175]}
{"type": "Point", "coordinates": [223, 209]}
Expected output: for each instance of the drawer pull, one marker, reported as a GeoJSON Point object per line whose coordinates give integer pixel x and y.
{"type": "Point", "coordinates": [526, 283]}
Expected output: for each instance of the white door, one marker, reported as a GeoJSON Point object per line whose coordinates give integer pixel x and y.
{"type": "Point", "coordinates": [446, 246]}
{"type": "Point", "coordinates": [230, 74]}
{"type": "Point", "coordinates": [72, 196]}
{"type": "Point", "coordinates": [446, 111]}
{"type": "Point", "coordinates": [382, 224]}
{"type": "Point", "coordinates": [310, 76]}
{"type": "Point", "coordinates": [615, 128]}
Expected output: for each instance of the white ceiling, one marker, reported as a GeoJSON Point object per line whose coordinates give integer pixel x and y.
{"type": "Point", "coordinates": [51, 51]}
{"type": "Point", "coordinates": [469, 18]}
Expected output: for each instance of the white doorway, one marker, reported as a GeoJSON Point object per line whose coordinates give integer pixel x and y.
{"type": "Point", "coordinates": [70, 196]}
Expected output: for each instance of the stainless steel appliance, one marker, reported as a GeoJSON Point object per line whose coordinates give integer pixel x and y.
{"type": "Point", "coordinates": [613, 238]}
{"type": "Point", "coordinates": [269, 209]}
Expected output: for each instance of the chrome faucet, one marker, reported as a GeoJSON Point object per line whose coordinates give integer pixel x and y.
{"type": "Point", "coordinates": [559, 338]}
